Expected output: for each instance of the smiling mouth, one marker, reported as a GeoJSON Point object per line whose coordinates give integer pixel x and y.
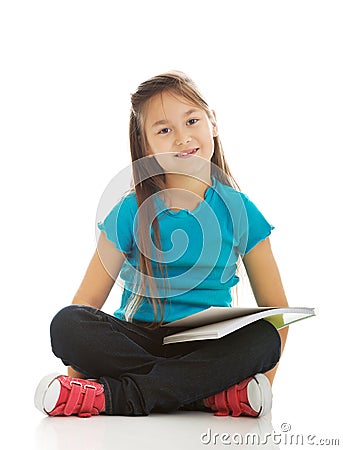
{"type": "Point", "coordinates": [187, 153]}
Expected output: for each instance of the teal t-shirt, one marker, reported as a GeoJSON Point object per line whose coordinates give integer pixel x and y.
{"type": "Point", "coordinates": [200, 249]}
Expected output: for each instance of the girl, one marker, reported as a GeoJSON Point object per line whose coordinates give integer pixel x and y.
{"type": "Point", "coordinates": [175, 239]}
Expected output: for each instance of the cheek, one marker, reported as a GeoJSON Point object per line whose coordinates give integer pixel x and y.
{"type": "Point", "coordinates": [151, 146]}
{"type": "Point", "coordinates": [206, 132]}
{"type": "Point", "coordinates": [207, 138]}
{"type": "Point", "coordinates": [160, 145]}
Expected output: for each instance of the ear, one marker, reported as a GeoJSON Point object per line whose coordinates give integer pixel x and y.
{"type": "Point", "coordinates": [214, 124]}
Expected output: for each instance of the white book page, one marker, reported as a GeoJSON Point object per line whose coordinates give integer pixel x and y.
{"type": "Point", "coordinates": [279, 317]}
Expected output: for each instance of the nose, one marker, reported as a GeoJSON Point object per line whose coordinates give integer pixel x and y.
{"type": "Point", "coordinates": [182, 139]}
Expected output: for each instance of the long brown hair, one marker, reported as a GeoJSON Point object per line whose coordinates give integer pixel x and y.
{"type": "Point", "coordinates": [147, 186]}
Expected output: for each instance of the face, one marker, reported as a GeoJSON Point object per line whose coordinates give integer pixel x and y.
{"type": "Point", "coordinates": [179, 133]}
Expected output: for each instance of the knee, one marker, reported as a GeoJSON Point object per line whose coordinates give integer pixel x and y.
{"type": "Point", "coordinates": [273, 340]}
{"type": "Point", "coordinates": [64, 327]}
{"type": "Point", "coordinates": [63, 320]}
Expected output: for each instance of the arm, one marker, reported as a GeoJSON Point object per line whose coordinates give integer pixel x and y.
{"type": "Point", "coordinates": [266, 284]}
{"type": "Point", "coordinates": [101, 274]}
{"type": "Point", "coordinates": [99, 279]}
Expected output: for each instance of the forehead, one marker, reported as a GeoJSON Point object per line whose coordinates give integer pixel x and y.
{"type": "Point", "coordinates": [166, 106]}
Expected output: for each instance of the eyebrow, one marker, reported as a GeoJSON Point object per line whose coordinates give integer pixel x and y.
{"type": "Point", "coordinates": [163, 121]}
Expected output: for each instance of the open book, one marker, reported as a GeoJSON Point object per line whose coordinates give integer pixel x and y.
{"type": "Point", "coordinates": [216, 322]}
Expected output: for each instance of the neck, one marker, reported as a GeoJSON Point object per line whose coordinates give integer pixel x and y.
{"type": "Point", "coordinates": [188, 183]}
{"type": "Point", "coordinates": [185, 191]}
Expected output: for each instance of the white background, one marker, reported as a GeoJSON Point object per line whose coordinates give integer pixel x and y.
{"type": "Point", "coordinates": [272, 70]}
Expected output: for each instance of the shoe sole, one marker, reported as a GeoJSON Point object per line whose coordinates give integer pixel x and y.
{"type": "Point", "coordinates": [260, 394]}
{"type": "Point", "coordinates": [47, 393]}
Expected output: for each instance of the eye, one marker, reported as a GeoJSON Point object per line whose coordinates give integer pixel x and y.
{"type": "Point", "coordinates": [192, 121]}
{"type": "Point", "coordinates": [164, 131]}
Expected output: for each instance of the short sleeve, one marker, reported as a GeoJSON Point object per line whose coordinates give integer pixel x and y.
{"type": "Point", "coordinates": [118, 225]}
{"type": "Point", "coordinates": [253, 226]}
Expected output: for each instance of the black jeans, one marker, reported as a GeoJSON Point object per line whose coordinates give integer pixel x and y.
{"type": "Point", "coordinates": [141, 375]}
